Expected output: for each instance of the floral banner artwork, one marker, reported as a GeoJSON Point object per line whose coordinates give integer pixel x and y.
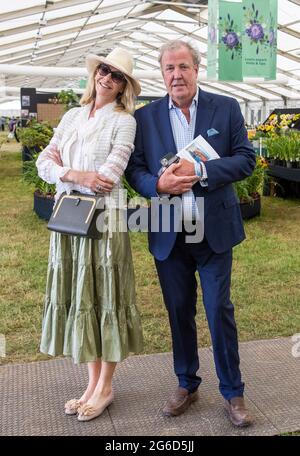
{"type": "Point", "coordinates": [242, 39]}
{"type": "Point", "coordinates": [212, 39]}
{"type": "Point", "coordinates": [260, 38]}
{"type": "Point", "coordinates": [230, 41]}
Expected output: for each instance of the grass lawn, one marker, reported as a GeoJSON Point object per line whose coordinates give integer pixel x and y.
{"type": "Point", "coordinates": [265, 280]}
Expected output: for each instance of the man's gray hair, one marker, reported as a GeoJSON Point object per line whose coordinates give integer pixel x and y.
{"type": "Point", "coordinates": [176, 44]}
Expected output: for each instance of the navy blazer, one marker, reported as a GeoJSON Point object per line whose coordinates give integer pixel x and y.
{"type": "Point", "coordinates": [223, 224]}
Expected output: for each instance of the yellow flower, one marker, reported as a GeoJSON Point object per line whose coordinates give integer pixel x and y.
{"type": "Point", "coordinates": [251, 133]}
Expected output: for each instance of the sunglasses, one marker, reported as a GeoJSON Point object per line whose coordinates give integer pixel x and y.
{"type": "Point", "coordinates": [116, 76]}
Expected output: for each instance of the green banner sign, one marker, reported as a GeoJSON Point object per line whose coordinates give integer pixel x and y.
{"type": "Point", "coordinates": [82, 83]}
{"type": "Point", "coordinates": [242, 39]}
{"type": "Point", "coordinates": [212, 39]}
{"type": "Point", "coordinates": [260, 38]}
{"type": "Point", "coordinates": [230, 41]}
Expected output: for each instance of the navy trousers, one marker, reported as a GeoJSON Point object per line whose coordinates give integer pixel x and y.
{"type": "Point", "coordinates": [179, 287]}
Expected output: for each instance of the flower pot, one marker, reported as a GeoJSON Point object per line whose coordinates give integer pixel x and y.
{"type": "Point", "coordinates": [250, 209]}
{"type": "Point", "coordinates": [28, 152]}
{"type": "Point", "coordinates": [43, 205]}
{"type": "Point", "coordinates": [289, 174]}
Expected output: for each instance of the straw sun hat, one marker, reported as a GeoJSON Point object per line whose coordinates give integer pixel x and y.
{"type": "Point", "coordinates": [118, 58]}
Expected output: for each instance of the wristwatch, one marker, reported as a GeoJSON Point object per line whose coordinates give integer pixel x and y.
{"type": "Point", "coordinates": [166, 161]}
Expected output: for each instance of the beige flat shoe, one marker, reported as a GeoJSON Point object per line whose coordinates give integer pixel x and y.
{"type": "Point", "coordinates": [72, 406]}
{"type": "Point", "coordinates": [87, 412]}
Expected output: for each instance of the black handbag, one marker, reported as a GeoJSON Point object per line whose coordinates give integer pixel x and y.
{"type": "Point", "coordinates": [76, 214]}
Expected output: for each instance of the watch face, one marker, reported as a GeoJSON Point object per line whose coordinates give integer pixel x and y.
{"type": "Point", "coordinates": [164, 162]}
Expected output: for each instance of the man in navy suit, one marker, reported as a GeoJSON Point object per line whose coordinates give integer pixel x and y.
{"type": "Point", "coordinates": [165, 126]}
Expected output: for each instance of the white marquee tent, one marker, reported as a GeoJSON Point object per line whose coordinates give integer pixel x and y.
{"type": "Point", "coordinates": [50, 39]}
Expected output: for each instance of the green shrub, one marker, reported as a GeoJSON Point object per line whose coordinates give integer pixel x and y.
{"type": "Point", "coordinates": [284, 147]}
{"type": "Point", "coordinates": [250, 188]}
{"type": "Point", "coordinates": [35, 134]}
{"type": "Point", "coordinates": [30, 175]}
{"type": "Point", "coordinates": [68, 98]}
{"type": "Point", "coordinates": [130, 192]}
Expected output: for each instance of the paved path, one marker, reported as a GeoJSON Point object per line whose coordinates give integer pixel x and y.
{"type": "Point", "coordinates": [33, 394]}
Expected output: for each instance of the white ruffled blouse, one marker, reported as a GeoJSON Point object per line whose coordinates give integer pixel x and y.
{"type": "Point", "coordinates": [102, 143]}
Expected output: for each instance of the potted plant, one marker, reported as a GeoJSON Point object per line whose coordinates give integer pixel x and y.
{"type": "Point", "coordinates": [284, 149]}
{"type": "Point", "coordinates": [249, 190]}
{"type": "Point", "coordinates": [43, 193]}
{"type": "Point", "coordinates": [68, 98]}
{"type": "Point", "coordinates": [276, 125]}
{"type": "Point", "coordinates": [34, 137]}
{"type": "Point", "coordinates": [283, 152]}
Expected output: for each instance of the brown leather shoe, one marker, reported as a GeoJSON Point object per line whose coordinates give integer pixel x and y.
{"type": "Point", "coordinates": [179, 402]}
{"type": "Point", "coordinates": [237, 412]}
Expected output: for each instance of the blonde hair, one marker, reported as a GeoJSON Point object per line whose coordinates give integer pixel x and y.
{"type": "Point", "coordinates": [125, 101]}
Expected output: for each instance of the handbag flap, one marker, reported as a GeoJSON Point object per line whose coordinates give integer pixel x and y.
{"type": "Point", "coordinates": [73, 214]}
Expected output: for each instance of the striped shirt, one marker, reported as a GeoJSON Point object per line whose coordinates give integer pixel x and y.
{"type": "Point", "coordinates": [183, 133]}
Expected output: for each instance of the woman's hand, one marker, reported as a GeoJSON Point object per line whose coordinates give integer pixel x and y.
{"type": "Point", "coordinates": [54, 155]}
{"type": "Point", "coordinates": [90, 179]}
{"type": "Point", "coordinates": [106, 184]}
{"type": "Point", "coordinates": [95, 181]}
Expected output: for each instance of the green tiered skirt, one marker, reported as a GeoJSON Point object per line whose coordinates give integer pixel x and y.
{"type": "Point", "coordinates": [90, 310]}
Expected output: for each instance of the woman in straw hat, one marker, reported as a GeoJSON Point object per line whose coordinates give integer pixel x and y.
{"type": "Point", "coordinates": [90, 312]}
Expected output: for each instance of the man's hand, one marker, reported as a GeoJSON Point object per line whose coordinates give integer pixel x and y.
{"type": "Point", "coordinates": [186, 168]}
{"type": "Point", "coordinates": [90, 179]}
{"type": "Point", "coordinates": [171, 183]}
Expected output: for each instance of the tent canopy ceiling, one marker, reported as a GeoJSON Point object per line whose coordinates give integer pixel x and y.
{"type": "Point", "coordinates": [60, 33]}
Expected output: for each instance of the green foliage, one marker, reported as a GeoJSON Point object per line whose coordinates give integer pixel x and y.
{"type": "Point", "coordinates": [35, 134]}
{"type": "Point", "coordinates": [130, 192]}
{"type": "Point", "coordinates": [284, 147]}
{"type": "Point", "coordinates": [2, 141]}
{"type": "Point", "coordinates": [30, 175]}
{"type": "Point", "coordinates": [68, 98]}
{"type": "Point", "coordinates": [270, 259]}
{"type": "Point", "coordinates": [252, 186]}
